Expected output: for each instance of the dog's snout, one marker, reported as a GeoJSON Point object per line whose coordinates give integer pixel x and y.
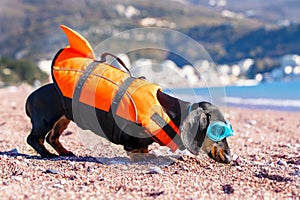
{"type": "Point", "coordinates": [220, 153]}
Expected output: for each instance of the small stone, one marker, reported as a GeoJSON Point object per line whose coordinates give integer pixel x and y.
{"type": "Point", "coordinates": [82, 166]}
{"type": "Point", "coordinates": [154, 170]}
{"type": "Point", "coordinates": [296, 173]}
{"type": "Point", "coordinates": [18, 173]}
{"type": "Point", "coordinates": [235, 157]}
{"type": "Point", "coordinates": [155, 194]}
{"type": "Point", "coordinates": [83, 187]}
{"type": "Point", "coordinates": [239, 168]}
{"type": "Point", "coordinates": [184, 168]}
{"type": "Point", "coordinates": [17, 178]}
{"type": "Point", "coordinates": [296, 168]}
{"type": "Point", "coordinates": [208, 167]}
{"type": "Point", "coordinates": [90, 169]}
{"type": "Point", "coordinates": [228, 189]}
{"type": "Point", "coordinates": [72, 178]}
{"type": "Point", "coordinates": [58, 186]}
{"type": "Point", "coordinates": [282, 162]}
{"type": "Point", "coordinates": [176, 172]}
{"type": "Point", "coordinates": [157, 152]}
{"type": "Point", "coordinates": [13, 105]}
{"type": "Point", "coordinates": [40, 169]}
{"type": "Point", "coordinates": [72, 163]}
{"type": "Point", "coordinates": [62, 182]}
{"type": "Point", "coordinates": [124, 167]}
{"type": "Point", "coordinates": [52, 171]}
{"type": "Point", "coordinates": [271, 164]}
{"type": "Point", "coordinates": [254, 163]}
{"type": "Point", "coordinates": [250, 140]}
{"type": "Point", "coordinates": [17, 162]}
{"type": "Point", "coordinates": [248, 126]}
{"type": "Point", "coordinates": [252, 122]}
{"type": "Point", "coordinates": [19, 158]}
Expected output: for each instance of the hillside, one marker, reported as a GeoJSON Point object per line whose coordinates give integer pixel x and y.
{"type": "Point", "coordinates": [30, 28]}
{"type": "Point", "coordinates": [270, 11]}
{"type": "Point", "coordinates": [33, 30]}
{"type": "Point", "coordinates": [235, 45]}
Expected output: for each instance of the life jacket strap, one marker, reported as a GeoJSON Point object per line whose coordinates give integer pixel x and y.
{"type": "Point", "coordinates": [119, 95]}
{"type": "Point", "coordinates": [167, 128]}
{"type": "Point", "coordinates": [78, 90]}
{"type": "Point", "coordinates": [103, 60]}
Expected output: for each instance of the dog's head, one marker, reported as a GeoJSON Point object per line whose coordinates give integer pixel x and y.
{"type": "Point", "coordinates": [205, 129]}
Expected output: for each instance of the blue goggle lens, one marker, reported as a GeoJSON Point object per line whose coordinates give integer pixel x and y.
{"type": "Point", "coordinates": [217, 131]}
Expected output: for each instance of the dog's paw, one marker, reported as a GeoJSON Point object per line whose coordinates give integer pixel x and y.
{"type": "Point", "coordinates": [49, 155]}
{"type": "Point", "coordinates": [68, 154]}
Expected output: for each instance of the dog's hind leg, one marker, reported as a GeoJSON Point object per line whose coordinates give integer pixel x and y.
{"type": "Point", "coordinates": [37, 136]}
{"type": "Point", "coordinates": [53, 137]}
{"type": "Point", "coordinates": [44, 108]}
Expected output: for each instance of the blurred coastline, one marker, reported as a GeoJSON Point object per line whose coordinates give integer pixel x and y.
{"type": "Point", "coordinates": [283, 96]}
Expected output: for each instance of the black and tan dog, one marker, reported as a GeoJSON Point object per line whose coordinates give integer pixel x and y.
{"type": "Point", "coordinates": [182, 125]}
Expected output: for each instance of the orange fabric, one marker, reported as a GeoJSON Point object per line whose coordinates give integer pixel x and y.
{"type": "Point", "coordinates": [78, 43]}
{"type": "Point", "coordinates": [102, 85]}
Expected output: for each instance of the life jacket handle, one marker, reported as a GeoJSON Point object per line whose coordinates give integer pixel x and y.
{"type": "Point", "coordinates": [103, 60]}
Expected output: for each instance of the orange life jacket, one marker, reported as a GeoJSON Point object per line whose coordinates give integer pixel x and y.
{"type": "Point", "coordinates": [139, 104]}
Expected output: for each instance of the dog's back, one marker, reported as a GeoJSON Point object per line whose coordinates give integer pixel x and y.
{"type": "Point", "coordinates": [46, 95]}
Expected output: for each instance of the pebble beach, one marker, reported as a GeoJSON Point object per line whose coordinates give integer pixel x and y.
{"type": "Point", "coordinates": [265, 149]}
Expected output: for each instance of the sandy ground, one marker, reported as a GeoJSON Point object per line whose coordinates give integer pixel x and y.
{"type": "Point", "coordinates": [266, 147]}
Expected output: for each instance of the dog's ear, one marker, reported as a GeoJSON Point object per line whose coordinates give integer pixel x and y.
{"type": "Point", "coordinates": [192, 131]}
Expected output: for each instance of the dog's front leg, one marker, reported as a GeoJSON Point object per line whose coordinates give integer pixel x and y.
{"type": "Point", "coordinates": [54, 134]}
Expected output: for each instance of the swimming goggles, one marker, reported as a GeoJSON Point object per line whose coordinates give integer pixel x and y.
{"type": "Point", "coordinates": [218, 130]}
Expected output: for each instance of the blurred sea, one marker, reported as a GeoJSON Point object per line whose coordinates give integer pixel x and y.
{"type": "Point", "coordinates": [276, 95]}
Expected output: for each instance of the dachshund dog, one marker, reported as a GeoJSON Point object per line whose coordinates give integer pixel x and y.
{"type": "Point", "coordinates": [138, 114]}
{"type": "Point", "coordinates": [48, 117]}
